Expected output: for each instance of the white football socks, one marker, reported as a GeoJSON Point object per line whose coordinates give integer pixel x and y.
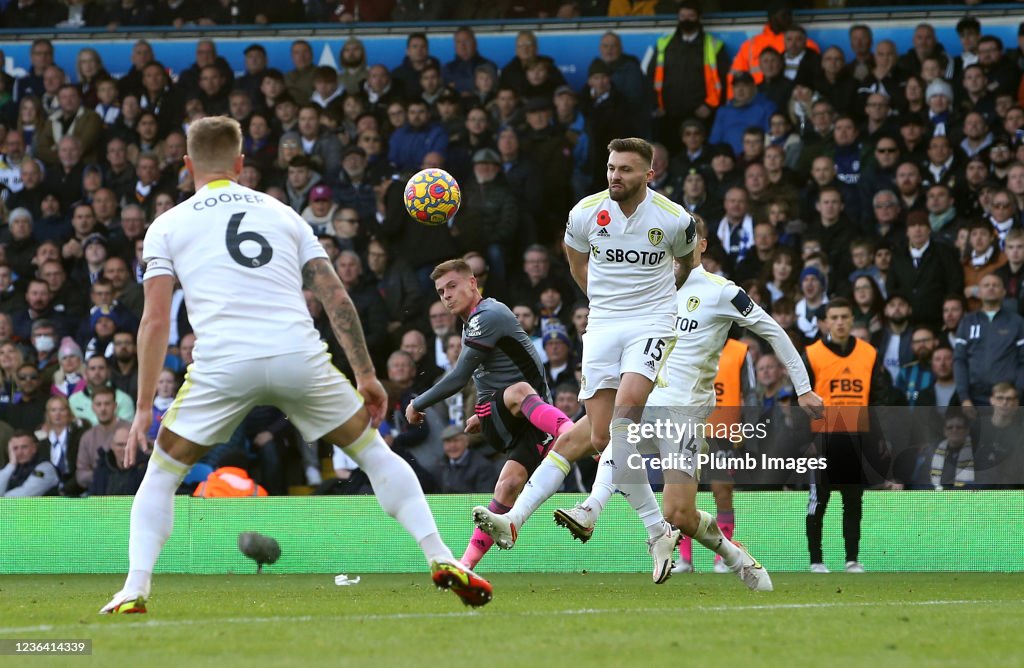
{"type": "Point", "coordinates": [603, 487]}
{"type": "Point", "coordinates": [545, 481]}
{"type": "Point", "coordinates": [398, 491]}
{"type": "Point", "coordinates": [152, 519]}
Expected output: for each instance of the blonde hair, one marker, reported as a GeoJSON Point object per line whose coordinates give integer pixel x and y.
{"type": "Point", "coordinates": [214, 143]}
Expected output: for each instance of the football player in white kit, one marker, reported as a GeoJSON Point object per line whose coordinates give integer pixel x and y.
{"type": "Point", "coordinates": [621, 244]}
{"type": "Point", "coordinates": [242, 259]}
{"type": "Point", "coordinates": [708, 306]}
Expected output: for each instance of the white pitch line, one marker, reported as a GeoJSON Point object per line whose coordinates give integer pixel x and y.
{"type": "Point", "coordinates": [163, 623]}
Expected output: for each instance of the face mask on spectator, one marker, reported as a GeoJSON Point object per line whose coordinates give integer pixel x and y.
{"type": "Point", "coordinates": [44, 344]}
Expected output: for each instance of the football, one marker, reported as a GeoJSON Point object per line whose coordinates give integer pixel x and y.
{"type": "Point", "coordinates": [432, 196]}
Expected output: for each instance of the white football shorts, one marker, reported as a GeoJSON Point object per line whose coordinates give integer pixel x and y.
{"type": "Point", "coordinates": [614, 347]}
{"type": "Point", "coordinates": [305, 386]}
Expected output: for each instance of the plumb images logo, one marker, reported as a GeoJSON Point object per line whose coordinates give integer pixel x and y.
{"type": "Point", "coordinates": [690, 453]}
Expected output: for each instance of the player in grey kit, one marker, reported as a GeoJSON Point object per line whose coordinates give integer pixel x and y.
{"type": "Point", "coordinates": [513, 409]}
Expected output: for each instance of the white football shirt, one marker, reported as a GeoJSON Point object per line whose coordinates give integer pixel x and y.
{"type": "Point", "coordinates": [238, 255]}
{"type": "Point", "coordinates": [630, 270]}
{"type": "Point", "coordinates": [708, 305]}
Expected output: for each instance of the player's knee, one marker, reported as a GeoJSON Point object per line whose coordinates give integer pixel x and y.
{"type": "Point", "coordinates": [514, 395]}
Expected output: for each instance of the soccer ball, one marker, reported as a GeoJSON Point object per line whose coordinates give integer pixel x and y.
{"type": "Point", "coordinates": [432, 196]}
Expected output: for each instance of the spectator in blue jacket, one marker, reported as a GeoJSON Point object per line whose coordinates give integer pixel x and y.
{"type": "Point", "coordinates": [460, 72]}
{"type": "Point", "coordinates": [989, 346]}
{"type": "Point", "coordinates": [418, 137]}
{"type": "Point", "coordinates": [747, 108]}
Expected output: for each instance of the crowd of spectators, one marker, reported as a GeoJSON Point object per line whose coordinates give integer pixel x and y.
{"type": "Point", "coordinates": [893, 179]}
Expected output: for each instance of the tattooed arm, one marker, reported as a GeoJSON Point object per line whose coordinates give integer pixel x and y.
{"type": "Point", "coordinates": [318, 276]}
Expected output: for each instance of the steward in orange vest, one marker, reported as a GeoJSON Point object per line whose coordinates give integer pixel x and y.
{"type": "Point", "coordinates": [845, 372]}
{"type": "Point", "coordinates": [228, 481]}
{"type": "Point", "coordinates": [732, 385]}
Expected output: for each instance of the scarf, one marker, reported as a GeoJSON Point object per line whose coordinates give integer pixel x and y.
{"type": "Point", "coordinates": [917, 254]}
{"type": "Point", "coordinates": [59, 450]}
{"type": "Point", "coordinates": [964, 465]}
{"type": "Point", "coordinates": [1002, 229]}
{"type": "Point", "coordinates": [162, 403]}
{"type": "Point", "coordinates": [142, 191]}
{"type": "Point", "coordinates": [939, 220]}
{"type": "Point", "coordinates": [982, 260]}
{"type": "Point", "coordinates": [737, 242]}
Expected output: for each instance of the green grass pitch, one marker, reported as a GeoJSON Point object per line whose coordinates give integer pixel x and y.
{"type": "Point", "coordinates": [578, 619]}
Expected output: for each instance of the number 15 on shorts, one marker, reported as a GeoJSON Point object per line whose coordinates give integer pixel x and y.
{"type": "Point", "coordinates": [655, 348]}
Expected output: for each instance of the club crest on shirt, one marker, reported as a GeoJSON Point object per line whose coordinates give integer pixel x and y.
{"type": "Point", "coordinates": [692, 303]}
{"type": "Point", "coordinates": [655, 236]}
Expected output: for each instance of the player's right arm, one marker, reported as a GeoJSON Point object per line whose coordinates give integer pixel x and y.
{"type": "Point", "coordinates": [578, 264]}
{"type": "Point", "coordinates": [685, 246]}
{"type": "Point", "coordinates": [469, 359]}
{"type": "Point", "coordinates": [318, 276]}
{"type": "Point", "coordinates": [750, 315]}
{"type": "Point", "coordinates": [577, 251]}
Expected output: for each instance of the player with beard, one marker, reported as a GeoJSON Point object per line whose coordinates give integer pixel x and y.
{"type": "Point", "coordinates": [620, 244]}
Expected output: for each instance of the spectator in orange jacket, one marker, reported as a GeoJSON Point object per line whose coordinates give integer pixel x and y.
{"type": "Point", "coordinates": [748, 58]}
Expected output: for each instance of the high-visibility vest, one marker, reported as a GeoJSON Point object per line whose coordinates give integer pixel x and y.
{"type": "Point", "coordinates": [844, 383]}
{"type": "Point", "coordinates": [728, 391]}
{"type": "Point", "coordinates": [712, 82]}
{"type": "Point", "coordinates": [228, 481]}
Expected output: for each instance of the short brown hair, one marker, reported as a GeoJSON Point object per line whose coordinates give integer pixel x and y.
{"type": "Point", "coordinates": [104, 389]}
{"type": "Point", "coordinates": [633, 145]}
{"type": "Point", "coordinates": [839, 302]}
{"type": "Point", "coordinates": [458, 264]}
{"type": "Point", "coordinates": [214, 143]}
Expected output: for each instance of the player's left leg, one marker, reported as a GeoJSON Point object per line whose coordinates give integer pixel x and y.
{"type": "Point", "coordinates": [680, 499]}
{"type": "Point", "coordinates": [399, 493]}
{"type": "Point", "coordinates": [726, 519]}
{"type": "Point", "coordinates": [627, 409]}
{"type": "Point", "coordinates": [152, 517]}
{"type": "Point", "coordinates": [506, 491]}
{"type": "Point", "coordinates": [316, 397]}
{"type": "Point", "coordinates": [522, 399]}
